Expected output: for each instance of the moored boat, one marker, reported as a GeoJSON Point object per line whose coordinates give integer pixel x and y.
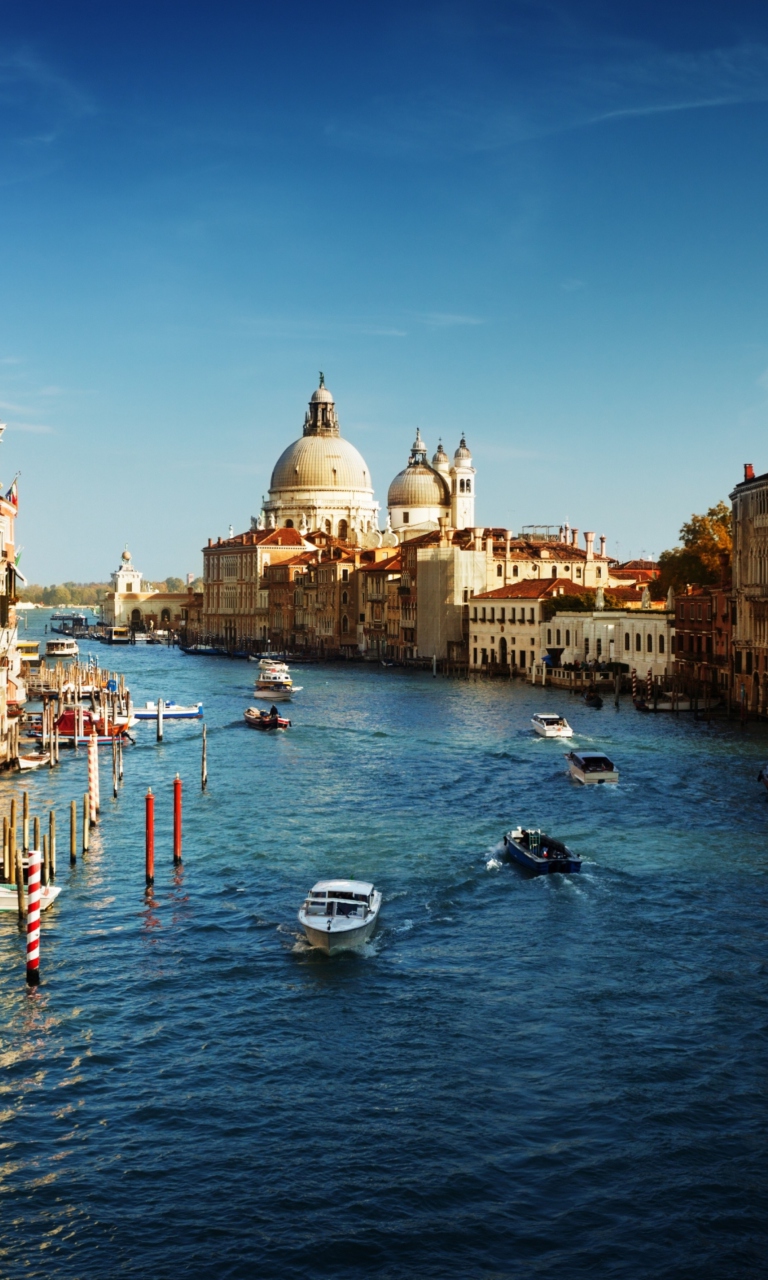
{"type": "Point", "coordinates": [264, 719]}
{"type": "Point", "coordinates": [28, 762]}
{"type": "Point", "coordinates": [117, 635]}
{"type": "Point", "coordinates": [539, 853]}
{"type": "Point", "coordinates": [550, 725]}
{"type": "Point", "coordinates": [171, 711]}
{"type": "Point", "coordinates": [592, 699]}
{"type": "Point", "coordinates": [591, 766]}
{"type": "Point", "coordinates": [9, 900]}
{"type": "Point", "coordinates": [339, 915]}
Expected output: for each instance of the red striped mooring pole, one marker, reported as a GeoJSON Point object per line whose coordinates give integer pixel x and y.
{"type": "Point", "coordinates": [634, 685]}
{"type": "Point", "coordinates": [176, 821]}
{"type": "Point", "coordinates": [33, 918]}
{"type": "Point", "coordinates": [150, 844]}
{"type": "Point", "coordinates": [93, 779]}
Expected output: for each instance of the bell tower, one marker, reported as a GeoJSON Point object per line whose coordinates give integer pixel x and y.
{"type": "Point", "coordinates": [462, 488]}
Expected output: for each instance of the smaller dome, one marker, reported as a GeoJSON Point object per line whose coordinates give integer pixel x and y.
{"type": "Point", "coordinates": [126, 555]}
{"type": "Point", "coordinates": [441, 460]}
{"type": "Point", "coordinates": [418, 486]}
{"type": "Point", "coordinates": [462, 453]}
{"type": "Point", "coordinates": [321, 396]}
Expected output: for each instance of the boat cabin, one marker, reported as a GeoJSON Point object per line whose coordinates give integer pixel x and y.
{"type": "Point", "coordinates": [593, 762]}
{"type": "Point", "coordinates": [349, 898]}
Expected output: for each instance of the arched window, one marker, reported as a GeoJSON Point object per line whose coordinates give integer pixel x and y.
{"type": "Point", "coordinates": [461, 486]}
{"type": "Point", "coordinates": [638, 642]}
{"type": "Point", "coordinates": [344, 598]}
{"type": "Point", "coordinates": [135, 617]}
{"type": "Point", "coordinates": [165, 615]}
{"type": "Point", "coordinates": [289, 524]}
{"type": "Point", "coordinates": [499, 571]}
{"type": "Point", "coordinates": [661, 644]}
{"type": "Point", "coordinates": [567, 637]}
{"type": "Point", "coordinates": [469, 486]}
{"type": "Point", "coordinates": [649, 643]}
{"type": "Point", "coordinates": [327, 526]}
{"type": "Point", "coordinates": [515, 570]}
{"type": "Point", "coordinates": [343, 530]}
{"type": "Point", "coordinates": [345, 624]}
{"type": "Point", "coordinates": [626, 641]}
{"type": "Point", "coordinates": [554, 570]}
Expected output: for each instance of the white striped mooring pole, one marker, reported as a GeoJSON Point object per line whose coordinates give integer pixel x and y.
{"type": "Point", "coordinates": [33, 918]}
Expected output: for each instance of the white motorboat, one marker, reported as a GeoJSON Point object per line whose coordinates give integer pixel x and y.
{"type": "Point", "coordinates": [62, 647]}
{"type": "Point", "coordinates": [549, 725]}
{"type": "Point", "coordinates": [339, 915]}
{"type": "Point", "coordinates": [171, 711]}
{"type": "Point", "coordinates": [591, 766]}
{"type": "Point", "coordinates": [9, 898]}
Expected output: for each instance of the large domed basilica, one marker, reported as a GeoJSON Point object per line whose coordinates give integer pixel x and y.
{"type": "Point", "coordinates": [321, 482]}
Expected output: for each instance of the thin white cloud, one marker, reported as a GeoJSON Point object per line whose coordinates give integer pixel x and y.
{"type": "Point", "coordinates": [447, 319]}
{"type": "Point", "coordinates": [35, 428]}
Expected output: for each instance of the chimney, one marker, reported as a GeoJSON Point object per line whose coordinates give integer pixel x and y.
{"type": "Point", "coordinates": [749, 471]}
{"type": "Point", "coordinates": [589, 542]}
{"type": "Point", "coordinates": [443, 522]}
{"type": "Point", "coordinates": [507, 540]}
{"type": "Point", "coordinates": [602, 544]}
{"type": "Point", "coordinates": [574, 537]}
{"type": "Point", "coordinates": [562, 534]}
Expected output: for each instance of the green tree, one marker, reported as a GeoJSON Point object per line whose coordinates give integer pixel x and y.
{"type": "Point", "coordinates": [174, 584]}
{"type": "Point", "coordinates": [706, 542]}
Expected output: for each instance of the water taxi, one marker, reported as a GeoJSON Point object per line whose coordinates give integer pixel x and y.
{"type": "Point", "coordinates": [539, 853]}
{"type": "Point", "coordinates": [591, 766]}
{"type": "Point", "coordinates": [65, 647]}
{"type": "Point", "coordinates": [29, 652]}
{"type": "Point", "coordinates": [274, 684]}
{"type": "Point", "coordinates": [339, 915]}
{"type": "Point", "coordinates": [550, 725]}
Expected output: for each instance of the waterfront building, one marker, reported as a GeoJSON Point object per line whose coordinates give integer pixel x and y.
{"type": "Point", "coordinates": [235, 596]}
{"type": "Point", "coordinates": [704, 636]}
{"type": "Point", "coordinates": [321, 481]}
{"type": "Point", "coordinates": [750, 590]}
{"type": "Point", "coordinates": [13, 692]}
{"type": "Point", "coordinates": [638, 639]}
{"type": "Point", "coordinates": [134, 603]}
{"type": "Point", "coordinates": [380, 613]}
{"type": "Point", "coordinates": [505, 624]}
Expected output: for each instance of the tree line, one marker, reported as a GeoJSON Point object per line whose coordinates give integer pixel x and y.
{"type": "Point", "coordinates": [90, 594]}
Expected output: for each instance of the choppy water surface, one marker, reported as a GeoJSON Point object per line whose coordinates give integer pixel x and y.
{"type": "Point", "coordinates": [519, 1077]}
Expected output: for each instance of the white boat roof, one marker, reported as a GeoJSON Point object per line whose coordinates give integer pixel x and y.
{"type": "Point", "coordinates": [548, 715]}
{"type": "Point", "coordinates": [343, 886]}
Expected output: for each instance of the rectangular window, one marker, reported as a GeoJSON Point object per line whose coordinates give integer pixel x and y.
{"type": "Point", "coordinates": [482, 615]}
{"type": "Point", "coordinates": [474, 657]}
{"type": "Point", "coordinates": [474, 614]}
{"type": "Point", "coordinates": [512, 616]}
{"type": "Point", "coordinates": [586, 647]}
{"type": "Point", "coordinates": [599, 647]}
{"type": "Point", "coordinates": [501, 615]}
{"type": "Point", "coordinates": [493, 616]}
{"type": "Point", "coordinates": [522, 657]}
{"type": "Point", "coordinates": [406, 517]}
{"type": "Point", "coordinates": [557, 637]}
{"type": "Point", "coordinates": [484, 658]}
{"type": "Point", "coordinates": [598, 573]}
{"type": "Point", "coordinates": [515, 571]}
{"type": "Point", "coordinates": [530, 615]}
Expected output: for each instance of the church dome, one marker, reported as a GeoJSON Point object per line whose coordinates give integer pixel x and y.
{"type": "Point", "coordinates": [322, 395]}
{"type": "Point", "coordinates": [462, 454]}
{"type": "Point", "coordinates": [440, 461]}
{"type": "Point", "coordinates": [418, 486]}
{"type": "Point", "coordinates": [321, 462]}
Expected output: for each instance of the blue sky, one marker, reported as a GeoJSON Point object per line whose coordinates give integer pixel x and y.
{"type": "Point", "coordinates": [542, 224]}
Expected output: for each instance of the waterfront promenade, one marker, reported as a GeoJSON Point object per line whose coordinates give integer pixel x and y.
{"type": "Point", "coordinates": [518, 1078]}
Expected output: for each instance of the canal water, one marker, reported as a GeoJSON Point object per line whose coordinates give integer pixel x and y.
{"type": "Point", "coordinates": [552, 1077]}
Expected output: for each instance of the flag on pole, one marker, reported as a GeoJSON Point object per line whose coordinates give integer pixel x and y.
{"type": "Point", "coordinates": [13, 494]}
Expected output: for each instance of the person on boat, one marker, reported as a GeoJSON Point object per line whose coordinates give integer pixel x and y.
{"type": "Point", "coordinates": [273, 711]}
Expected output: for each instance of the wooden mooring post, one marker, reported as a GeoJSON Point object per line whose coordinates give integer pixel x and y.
{"type": "Point", "coordinates": [204, 778]}
{"type": "Point", "coordinates": [73, 833]}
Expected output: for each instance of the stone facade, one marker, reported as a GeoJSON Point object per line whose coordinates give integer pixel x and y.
{"type": "Point", "coordinates": [750, 591]}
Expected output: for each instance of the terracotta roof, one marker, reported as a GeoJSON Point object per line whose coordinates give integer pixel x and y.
{"type": "Point", "coordinates": [260, 538]}
{"type": "Point", "coordinates": [393, 565]}
{"type": "Point", "coordinates": [529, 589]}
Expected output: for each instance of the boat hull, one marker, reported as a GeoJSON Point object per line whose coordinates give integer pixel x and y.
{"type": "Point", "coordinates": [9, 900]}
{"type": "Point", "coordinates": [169, 713]}
{"type": "Point", "coordinates": [565, 864]}
{"type": "Point", "coordinates": [334, 940]}
{"type": "Point", "coordinates": [588, 779]}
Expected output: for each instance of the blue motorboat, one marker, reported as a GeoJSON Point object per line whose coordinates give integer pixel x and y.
{"type": "Point", "coordinates": [539, 853]}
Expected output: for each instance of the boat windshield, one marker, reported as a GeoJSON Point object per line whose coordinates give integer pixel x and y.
{"type": "Point", "coordinates": [597, 764]}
